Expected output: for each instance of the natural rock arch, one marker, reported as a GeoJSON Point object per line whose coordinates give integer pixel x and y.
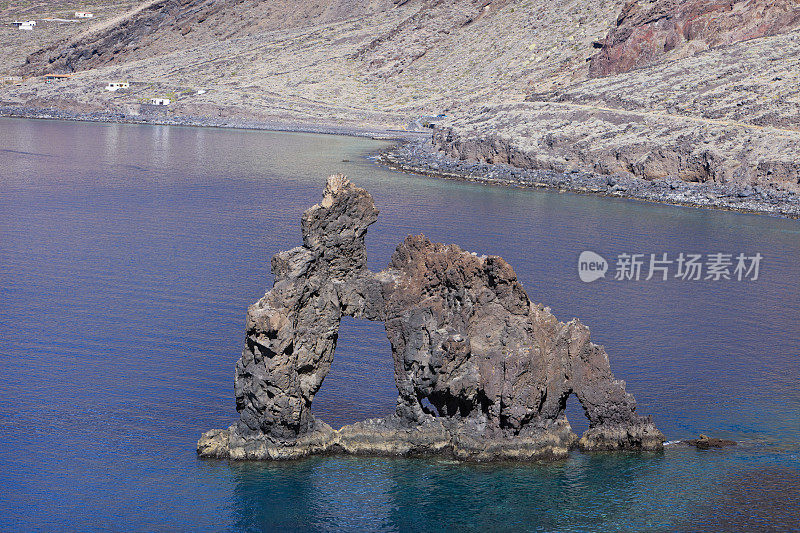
{"type": "Point", "coordinates": [465, 337]}
{"type": "Point", "coordinates": [360, 383]}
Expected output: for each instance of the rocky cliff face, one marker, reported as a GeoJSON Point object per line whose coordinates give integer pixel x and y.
{"type": "Point", "coordinates": [648, 32]}
{"type": "Point", "coordinates": [482, 372]}
{"type": "Point", "coordinates": [612, 143]}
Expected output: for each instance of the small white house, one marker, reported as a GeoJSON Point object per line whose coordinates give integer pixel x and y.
{"type": "Point", "coordinates": [117, 85]}
{"type": "Point", "coordinates": [24, 25]}
{"type": "Point", "coordinates": [159, 101]}
{"type": "Point", "coordinates": [83, 15]}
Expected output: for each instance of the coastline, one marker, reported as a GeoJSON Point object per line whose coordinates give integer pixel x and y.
{"type": "Point", "coordinates": [420, 157]}
{"type": "Point", "coordinates": [414, 152]}
{"type": "Point", "coordinates": [11, 111]}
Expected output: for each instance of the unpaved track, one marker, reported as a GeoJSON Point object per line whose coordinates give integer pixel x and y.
{"type": "Point", "coordinates": [784, 132]}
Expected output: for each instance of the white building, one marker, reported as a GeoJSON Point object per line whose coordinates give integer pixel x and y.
{"type": "Point", "coordinates": [117, 85]}
{"type": "Point", "coordinates": [83, 15]}
{"type": "Point", "coordinates": [160, 101]}
{"type": "Point", "coordinates": [26, 25]}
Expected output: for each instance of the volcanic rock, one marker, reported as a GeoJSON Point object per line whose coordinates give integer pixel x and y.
{"type": "Point", "coordinates": [645, 33]}
{"type": "Point", "coordinates": [705, 442]}
{"type": "Point", "coordinates": [482, 372]}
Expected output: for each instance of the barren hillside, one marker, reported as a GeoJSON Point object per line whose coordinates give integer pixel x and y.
{"type": "Point", "coordinates": [695, 89]}
{"type": "Point", "coordinates": [56, 22]}
{"type": "Point", "coordinates": [160, 27]}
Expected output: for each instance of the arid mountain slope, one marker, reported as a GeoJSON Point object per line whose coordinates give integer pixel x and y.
{"type": "Point", "coordinates": [55, 22]}
{"type": "Point", "coordinates": [163, 26]}
{"type": "Point", "coordinates": [649, 32]}
{"type": "Point", "coordinates": [728, 114]}
{"type": "Point", "coordinates": [698, 90]}
{"type": "Point", "coordinates": [414, 58]}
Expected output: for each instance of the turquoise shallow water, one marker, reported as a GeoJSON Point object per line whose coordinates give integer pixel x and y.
{"type": "Point", "coordinates": [128, 256]}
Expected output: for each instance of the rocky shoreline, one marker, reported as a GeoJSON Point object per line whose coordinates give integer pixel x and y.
{"type": "Point", "coordinates": [110, 117]}
{"type": "Point", "coordinates": [420, 156]}
{"type": "Point", "coordinates": [416, 153]}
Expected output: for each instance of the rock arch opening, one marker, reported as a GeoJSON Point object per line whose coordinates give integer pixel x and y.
{"type": "Point", "coordinates": [576, 414]}
{"type": "Point", "coordinates": [360, 383]}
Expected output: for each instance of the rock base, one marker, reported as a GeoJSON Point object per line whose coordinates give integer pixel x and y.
{"type": "Point", "coordinates": [392, 437]}
{"type": "Point", "coordinates": [643, 436]}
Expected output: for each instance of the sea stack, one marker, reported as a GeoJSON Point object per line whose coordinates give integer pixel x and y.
{"type": "Point", "coordinates": [482, 373]}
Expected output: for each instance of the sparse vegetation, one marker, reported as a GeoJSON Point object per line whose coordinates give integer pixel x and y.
{"type": "Point", "coordinates": [380, 69]}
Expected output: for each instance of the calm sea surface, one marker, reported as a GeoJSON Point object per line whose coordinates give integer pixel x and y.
{"type": "Point", "coordinates": [128, 257]}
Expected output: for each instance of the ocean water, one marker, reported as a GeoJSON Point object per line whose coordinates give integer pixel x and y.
{"type": "Point", "coordinates": [128, 257]}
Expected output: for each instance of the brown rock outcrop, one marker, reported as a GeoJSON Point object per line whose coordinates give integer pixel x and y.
{"type": "Point", "coordinates": [482, 372]}
{"type": "Point", "coordinates": [646, 32]}
{"type": "Point", "coordinates": [704, 442]}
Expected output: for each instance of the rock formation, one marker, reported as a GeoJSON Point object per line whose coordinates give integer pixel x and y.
{"type": "Point", "coordinates": [645, 34]}
{"type": "Point", "coordinates": [704, 442]}
{"type": "Point", "coordinates": [482, 372]}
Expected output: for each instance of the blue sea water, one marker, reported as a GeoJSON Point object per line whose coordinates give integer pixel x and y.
{"type": "Point", "coordinates": [128, 257]}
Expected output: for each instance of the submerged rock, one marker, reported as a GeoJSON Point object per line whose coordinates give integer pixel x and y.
{"type": "Point", "coordinates": [482, 372]}
{"type": "Point", "coordinates": [705, 442]}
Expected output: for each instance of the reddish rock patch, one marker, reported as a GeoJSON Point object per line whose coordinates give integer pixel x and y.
{"type": "Point", "coordinates": [646, 33]}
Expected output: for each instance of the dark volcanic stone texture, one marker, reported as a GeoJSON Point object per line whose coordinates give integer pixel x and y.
{"type": "Point", "coordinates": [481, 371]}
